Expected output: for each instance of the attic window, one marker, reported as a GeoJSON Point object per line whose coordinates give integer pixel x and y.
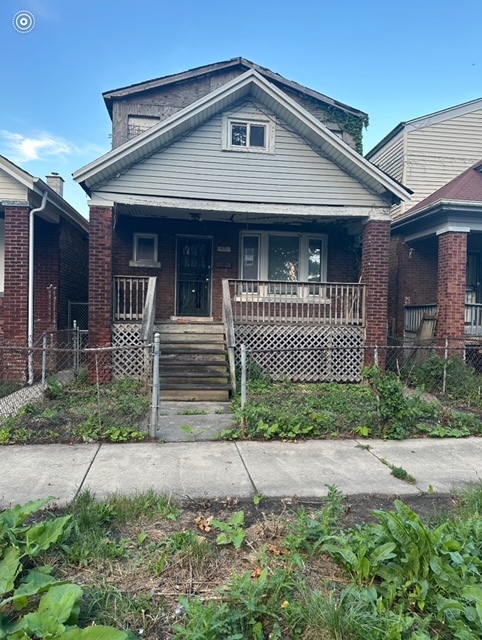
{"type": "Point", "coordinates": [139, 124]}
{"type": "Point", "coordinates": [248, 135]}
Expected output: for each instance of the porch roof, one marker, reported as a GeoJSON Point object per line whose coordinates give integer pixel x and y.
{"type": "Point", "coordinates": [253, 83]}
{"type": "Point", "coordinates": [457, 206]}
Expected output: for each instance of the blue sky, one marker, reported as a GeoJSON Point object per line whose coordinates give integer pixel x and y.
{"type": "Point", "coordinates": [395, 61]}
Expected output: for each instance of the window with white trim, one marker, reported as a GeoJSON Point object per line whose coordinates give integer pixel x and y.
{"type": "Point", "coordinates": [145, 250]}
{"type": "Point", "coordinates": [248, 135]}
{"type": "Point", "coordinates": [284, 257]}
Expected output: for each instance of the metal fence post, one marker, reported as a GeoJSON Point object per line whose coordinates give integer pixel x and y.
{"type": "Point", "coordinates": [76, 348]}
{"type": "Point", "coordinates": [243, 385]}
{"type": "Point", "coordinates": [376, 355]}
{"type": "Point", "coordinates": [44, 364]}
{"type": "Point", "coordinates": [156, 392]}
{"type": "Point", "coordinates": [446, 357]}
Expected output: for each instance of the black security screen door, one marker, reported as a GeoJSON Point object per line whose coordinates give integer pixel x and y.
{"type": "Point", "coordinates": [193, 276]}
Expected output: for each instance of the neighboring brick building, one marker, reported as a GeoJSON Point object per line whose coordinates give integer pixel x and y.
{"type": "Point", "coordinates": [436, 261]}
{"type": "Point", "coordinates": [60, 260]}
{"type": "Point", "coordinates": [232, 174]}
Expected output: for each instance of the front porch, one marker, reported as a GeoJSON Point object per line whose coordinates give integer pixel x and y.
{"type": "Point", "coordinates": [414, 315]}
{"type": "Point", "coordinates": [303, 331]}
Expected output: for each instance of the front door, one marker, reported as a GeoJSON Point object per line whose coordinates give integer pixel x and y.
{"type": "Point", "coordinates": [194, 276]}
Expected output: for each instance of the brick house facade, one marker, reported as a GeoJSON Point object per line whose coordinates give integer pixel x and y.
{"type": "Point", "coordinates": [436, 261]}
{"type": "Point", "coordinates": [236, 167]}
{"type": "Point", "coordinates": [60, 254]}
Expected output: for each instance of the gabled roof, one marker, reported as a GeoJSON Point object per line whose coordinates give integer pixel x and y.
{"type": "Point", "coordinates": [425, 121]}
{"type": "Point", "coordinates": [466, 188]}
{"type": "Point", "coordinates": [250, 83]}
{"type": "Point", "coordinates": [37, 185]}
{"type": "Point", "coordinates": [243, 64]}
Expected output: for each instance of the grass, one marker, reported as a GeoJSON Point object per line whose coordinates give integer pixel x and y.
{"type": "Point", "coordinates": [78, 412]}
{"type": "Point", "coordinates": [380, 408]}
{"type": "Point", "coordinates": [154, 567]}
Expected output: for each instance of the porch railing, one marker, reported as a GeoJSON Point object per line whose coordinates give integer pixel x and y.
{"type": "Point", "coordinates": [473, 319]}
{"type": "Point", "coordinates": [268, 301]}
{"type": "Point", "coordinates": [129, 297]}
{"type": "Point", "coordinates": [414, 314]}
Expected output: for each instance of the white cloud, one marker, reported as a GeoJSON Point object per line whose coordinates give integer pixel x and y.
{"type": "Point", "coordinates": [22, 148]}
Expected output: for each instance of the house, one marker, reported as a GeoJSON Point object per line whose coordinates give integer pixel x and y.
{"type": "Point", "coordinates": [239, 195]}
{"type": "Point", "coordinates": [427, 152]}
{"type": "Point", "coordinates": [436, 260]}
{"type": "Point", "coordinates": [435, 246]}
{"type": "Point", "coordinates": [43, 263]}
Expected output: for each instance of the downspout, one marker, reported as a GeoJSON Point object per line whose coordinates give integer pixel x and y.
{"type": "Point", "coordinates": [31, 284]}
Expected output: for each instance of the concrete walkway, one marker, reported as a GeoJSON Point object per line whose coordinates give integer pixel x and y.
{"type": "Point", "coordinates": [241, 469]}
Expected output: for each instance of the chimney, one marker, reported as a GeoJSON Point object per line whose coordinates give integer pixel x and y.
{"type": "Point", "coordinates": [56, 182]}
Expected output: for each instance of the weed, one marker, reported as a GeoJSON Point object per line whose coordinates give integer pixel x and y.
{"type": "Point", "coordinates": [192, 431]}
{"type": "Point", "coordinates": [192, 412]}
{"type": "Point", "coordinates": [402, 474]}
{"type": "Point", "coordinates": [232, 531]}
{"type": "Point", "coordinates": [398, 472]}
{"type": "Point", "coordinates": [258, 499]}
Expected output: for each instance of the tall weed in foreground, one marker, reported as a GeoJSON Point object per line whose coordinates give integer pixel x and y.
{"type": "Point", "coordinates": [33, 602]}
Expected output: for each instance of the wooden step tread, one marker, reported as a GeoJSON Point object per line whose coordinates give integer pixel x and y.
{"type": "Point", "coordinates": [178, 349]}
{"type": "Point", "coordinates": [218, 386]}
{"type": "Point", "coordinates": [192, 363]}
{"type": "Point", "coordinates": [193, 374]}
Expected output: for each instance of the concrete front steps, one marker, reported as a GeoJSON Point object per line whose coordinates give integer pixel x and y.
{"type": "Point", "coordinates": [194, 362]}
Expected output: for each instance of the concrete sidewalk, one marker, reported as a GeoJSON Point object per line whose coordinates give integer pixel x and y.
{"type": "Point", "coordinates": [241, 469]}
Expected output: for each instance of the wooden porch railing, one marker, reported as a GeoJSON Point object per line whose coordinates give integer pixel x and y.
{"type": "Point", "coordinates": [414, 314]}
{"type": "Point", "coordinates": [230, 335]}
{"type": "Point", "coordinates": [473, 319]}
{"type": "Point", "coordinates": [269, 301]}
{"type": "Point", "coordinates": [129, 297]}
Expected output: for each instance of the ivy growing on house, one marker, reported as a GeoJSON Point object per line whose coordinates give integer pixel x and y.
{"type": "Point", "coordinates": [350, 123]}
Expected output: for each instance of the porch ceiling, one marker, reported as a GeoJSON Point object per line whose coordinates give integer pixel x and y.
{"type": "Point", "coordinates": [260, 217]}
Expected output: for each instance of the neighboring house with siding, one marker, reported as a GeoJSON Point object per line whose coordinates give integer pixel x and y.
{"type": "Point", "coordinates": [437, 157]}
{"type": "Point", "coordinates": [59, 247]}
{"type": "Point", "coordinates": [237, 193]}
{"type": "Point", "coordinates": [427, 152]}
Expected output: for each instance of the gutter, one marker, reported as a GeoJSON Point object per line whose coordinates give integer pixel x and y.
{"type": "Point", "coordinates": [31, 284]}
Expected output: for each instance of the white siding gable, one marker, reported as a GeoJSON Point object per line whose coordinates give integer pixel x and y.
{"type": "Point", "coordinates": [196, 166]}
{"type": "Point", "coordinates": [11, 189]}
{"type": "Point", "coordinates": [439, 152]}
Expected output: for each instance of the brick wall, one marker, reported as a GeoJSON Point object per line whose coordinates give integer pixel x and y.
{"type": "Point", "coordinates": [15, 302]}
{"type": "Point", "coordinates": [375, 264]}
{"type": "Point", "coordinates": [46, 276]}
{"type": "Point", "coordinates": [100, 272]}
{"type": "Point", "coordinates": [413, 278]}
{"type": "Point", "coordinates": [452, 276]}
{"type": "Point", "coordinates": [74, 269]}
{"type": "Point", "coordinates": [341, 257]}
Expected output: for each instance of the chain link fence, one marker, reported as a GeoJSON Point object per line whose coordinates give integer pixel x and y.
{"type": "Point", "coordinates": [73, 397]}
{"type": "Point", "coordinates": [450, 368]}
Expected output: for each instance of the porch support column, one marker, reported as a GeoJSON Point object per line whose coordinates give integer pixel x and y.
{"type": "Point", "coordinates": [100, 289]}
{"type": "Point", "coordinates": [374, 274]}
{"type": "Point", "coordinates": [452, 279]}
{"type": "Point", "coordinates": [15, 302]}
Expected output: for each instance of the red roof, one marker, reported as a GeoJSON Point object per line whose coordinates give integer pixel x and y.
{"type": "Point", "coordinates": [466, 187]}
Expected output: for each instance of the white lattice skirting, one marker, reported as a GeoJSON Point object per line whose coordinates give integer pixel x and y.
{"type": "Point", "coordinates": [337, 354]}
{"type": "Point", "coordinates": [129, 363]}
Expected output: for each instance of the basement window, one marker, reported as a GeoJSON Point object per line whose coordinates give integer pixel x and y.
{"type": "Point", "coordinates": [248, 135]}
{"type": "Point", "coordinates": [145, 251]}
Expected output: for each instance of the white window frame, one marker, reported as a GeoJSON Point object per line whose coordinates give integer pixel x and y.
{"type": "Point", "coordinates": [136, 262]}
{"type": "Point", "coordinates": [303, 248]}
{"type": "Point", "coordinates": [269, 138]}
